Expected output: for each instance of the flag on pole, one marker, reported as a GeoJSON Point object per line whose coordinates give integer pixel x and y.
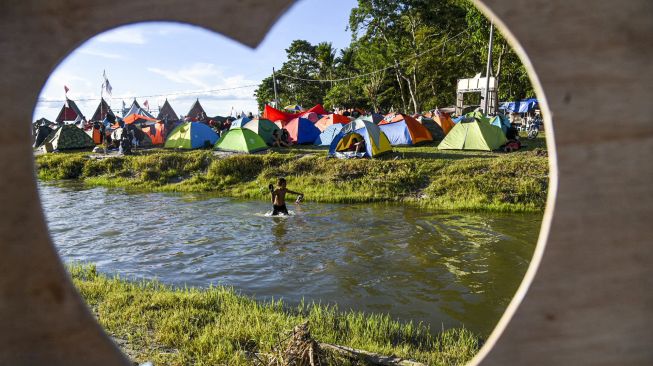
{"type": "Point", "coordinates": [147, 105]}
{"type": "Point", "coordinates": [106, 85]}
{"type": "Point", "coordinates": [65, 89]}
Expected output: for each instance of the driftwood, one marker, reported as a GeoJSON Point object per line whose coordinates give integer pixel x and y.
{"type": "Point", "coordinates": [369, 357]}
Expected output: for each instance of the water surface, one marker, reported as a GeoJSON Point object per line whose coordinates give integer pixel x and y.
{"type": "Point", "coordinates": [444, 269]}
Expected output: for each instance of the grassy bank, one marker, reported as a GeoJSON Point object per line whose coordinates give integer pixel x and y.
{"type": "Point", "coordinates": [422, 175]}
{"type": "Point", "coordinates": [218, 326]}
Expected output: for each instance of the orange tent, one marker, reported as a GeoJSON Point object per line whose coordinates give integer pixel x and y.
{"type": "Point", "coordinates": [156, 132]}
{"type": "Point", "coordinates": [444, 120]}
{"type": "Point", "coordinates": [331, 119]}
{"type": "Point", "coordinates": [418, 133]}
{"type": "Point", "coordinates": [274, 114]}
{"type": "Point", "coordinates": [137, 118]}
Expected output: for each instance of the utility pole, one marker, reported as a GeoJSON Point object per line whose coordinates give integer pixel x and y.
{"type": "Point", "coordinates": [489, 70]}
{"type": "Point", "coordinates": [274, 84]}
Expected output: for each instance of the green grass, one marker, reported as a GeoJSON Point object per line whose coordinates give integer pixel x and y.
{"type": "Point", "coordinates": [182, 326]}
{"type": "Point", "coordinates": [422, 175]}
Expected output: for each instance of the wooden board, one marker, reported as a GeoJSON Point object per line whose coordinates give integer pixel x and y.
{"type": "Point", "coordinates": [588, 295]}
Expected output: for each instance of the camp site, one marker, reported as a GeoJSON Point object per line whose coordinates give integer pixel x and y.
{"type": "Point", "coordinates": [367, 189]}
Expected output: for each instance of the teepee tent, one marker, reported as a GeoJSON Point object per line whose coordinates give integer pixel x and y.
{"type": "Point", "coordinates": [136, 109]}
{"type": "Point", "coordinates": [264, 128]}
{"type": "Point", "coordinates": [68, 137]}
{"type": "Point", "coordinates": [191, 135]}
{"type": "Point", "coordinates": [241, 140]}
{"type": "Point", "coordinates": [166, 113]}
{"type": "Point", "coordinates": [196, 112]}
{"type": "Point", "coordinates": [103, 111]}
{"type": "Point", "coordinates": [69, 112]}
{"type": "Point", "coordinates": [473, 134]}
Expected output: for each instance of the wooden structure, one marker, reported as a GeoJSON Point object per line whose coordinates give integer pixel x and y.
{"type": "Point", "coordinates": [586, 298]}
{"type": "Point", "coordinates": [477, 85]}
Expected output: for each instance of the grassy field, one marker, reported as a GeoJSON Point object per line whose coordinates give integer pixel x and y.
{"type": "Point", "coordinates": [218, 326]}
{"type": "Point", "coordinates": [422, 175]}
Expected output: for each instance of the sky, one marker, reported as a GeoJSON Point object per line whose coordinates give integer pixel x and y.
{"type": "Point", "coordinates": [145, 60]}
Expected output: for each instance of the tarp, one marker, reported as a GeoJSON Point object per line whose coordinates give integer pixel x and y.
{"type": "Point", "coordinates": [301, 131]}
{"type": "Point", "coordinates": [156, 133]}
{"type": "Point", "coordinates": [68, 137]}
{"type": "Point", "coordinates": [404, 130]}
{"type": "Point", "coordinates": [240, 122]}
{"type": "Point", "coordinates": [241, 140]}
{"type": "Point", "coordinates": [327, 136]}
{"type": "Point", "coordinates": [274, 114]}
{"type": "Point", "coordinates": [191, 135]}
{"type": "Point", "coordinates": [376, 142]}
{"type": "Point", "coordinates": [264, 128]}
{"type": "Point", "coordinates": [473, 134]}
{"type": "Point", "coordinates": [331, 119]}
{"type": "Point", "coordinates": [522, 106]}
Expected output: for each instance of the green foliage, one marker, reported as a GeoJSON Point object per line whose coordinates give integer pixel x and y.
{"type": "Point", "coordinates": [182, 326]}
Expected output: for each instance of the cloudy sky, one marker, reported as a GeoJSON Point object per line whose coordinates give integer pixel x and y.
{"type": "Point", "coordinates": [152, 61]}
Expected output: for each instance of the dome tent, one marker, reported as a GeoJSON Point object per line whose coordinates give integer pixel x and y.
{"type": "Point", "coordinates": [241, 140]}
{"type": "Point", "coordinates": [302, 131]}
{"type": "Point", "coordinates": [376, 142]}
{"type": "Point", "coordinates": [264, 128]}
{"type": "Point", "coordinates": [327, 136]}
{"type": "Point", "coordinates": [404, 130]}
{"type": "Point", "coordinates": [191, 135]}
{"type": "Point", "coordinates": [473, 134]}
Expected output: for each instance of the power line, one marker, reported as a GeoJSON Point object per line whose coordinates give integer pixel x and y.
{"type": "Point", "coordinates": [153, 95]}
{"type": "Point", "coordinates": [375, 71]}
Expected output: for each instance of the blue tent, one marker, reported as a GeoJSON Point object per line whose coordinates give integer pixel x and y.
{"type": "Point", "coordinates": [240, 123]}
{"type": "Point", "coordinates": [522, 106]}
{"type": "Point", "coordinates": [376, 142]}
{"type": "Point", "coordinates": [328, 135]}
{"type": "Point", "coordinates": [500, 120]}
{"type": "Point", "coordinates": [191, 135]}
{"type": "Point", "coordinates": [457, 119]}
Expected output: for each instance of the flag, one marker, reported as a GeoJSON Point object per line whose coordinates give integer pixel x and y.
{"type": "Point", "coordinates": [147, 105]}
{"type": "Point", "coordinates": [65, 88]}
{"type": "Point", "coordinates": [106, 85]}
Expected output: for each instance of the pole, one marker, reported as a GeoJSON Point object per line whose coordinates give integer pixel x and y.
{"type": "Point", "coordinates": [274, 83]}
{"type": "Point", "coordinates": [489, 70]}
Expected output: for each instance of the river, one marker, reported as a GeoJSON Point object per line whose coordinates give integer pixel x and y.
{"type": "Point", "coordinates": [441, 268]}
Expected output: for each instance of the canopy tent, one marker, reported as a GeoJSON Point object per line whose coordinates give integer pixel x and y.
{"type": "Point", "coordinates": [241, 140]}
{"type": "Point", "coordinates": [473, 134]}
{"type": "Point", "coordinates": [191, 135]}
{"type": "Point", "coordinates": [331, 119]}
{"type": "Point", "coordinates": [403, 129]}
{"type": "Point", "coordinates": [136, 109]}
{"type": "Point", "coordinates": [166, 113]}
{"type": "Point", "coordinates": [274, 114]}
{"type": "Point", "coordinates": [69, 113]}
{"type": "Point", "coordinates": [138, 119]}
{"type": "Point", "coordinates": [501, 121]}
{"type": "Point", "coordinates": [301, 131]}
{"type": "Point", "coordinates": [444, 121]}
{"type": "Point", "coordinates": [264, 128]}
{"type": "Point", "coordinates": [522, 106]}
{"type": "Point", "coordinates": [141, 139]}
{"type": "Point", "coordinates": [327, 136]}
{"type": "Point", "coordinates": [240, 122]}
{"type": "Point", "coordinates": [67, 137]}
{"type": "Point", "coordinates": [376, 142]}
{"type": "Point", "coordinates": [156, 132]}
{"type": "Point", "coordinates": [102, 112]}
{"type": "Point", "coordinates": [196, 112]}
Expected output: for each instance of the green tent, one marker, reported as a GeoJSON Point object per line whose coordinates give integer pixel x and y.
{"type": "Point", "coordinates": [191, 135]}
{"type": "Point", "coordinates": [241, 140]}
{"type": "Point", "coordinates": [68, 137]}
{"type": "Point", "coordinates": [264, 128]}
{"type": "Point", "coordinates": [473, 134]}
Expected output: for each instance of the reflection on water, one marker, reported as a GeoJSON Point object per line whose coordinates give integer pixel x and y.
{"type": "Point", "coordinates": [444, 269]}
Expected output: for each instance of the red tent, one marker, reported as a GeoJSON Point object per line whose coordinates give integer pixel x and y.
{"type": "Point", "coordinates": [274, 114]}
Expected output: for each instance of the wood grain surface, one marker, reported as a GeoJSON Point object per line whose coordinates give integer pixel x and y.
{"type": "Point", "coordinates": [588, 296]}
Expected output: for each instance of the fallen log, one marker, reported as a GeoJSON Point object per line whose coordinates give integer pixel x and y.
{"type": "Point", "coordinates": [369, 357]}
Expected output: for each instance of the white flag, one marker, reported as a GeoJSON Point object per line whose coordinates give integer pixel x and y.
{"type": "Point", "coordinates": [106, 85]}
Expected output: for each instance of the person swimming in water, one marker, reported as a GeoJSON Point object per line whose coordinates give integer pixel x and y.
{"type": "Point", "coordinates": [279, 197]}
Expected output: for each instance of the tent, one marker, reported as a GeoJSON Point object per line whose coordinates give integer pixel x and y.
{"type": "Point", "coordinates": [156, 132]}
{"type": "Point", "coordinates": [327, 136]}
{"type": "Point", "coordinates": [522, 106]}
{"type": "Point", "coordinates": [241, 140]}
{"type": "Point", "coordinates": [473, 134]}
{"type": "Point", "coordinates": [103, 111]}
{"type": "Point", "coordinates": [239, 123]}
{"type": "Point", "coordinates": [376, 142]}
{"type": "Point", "coordinates": [196, 112]}
{"type": "Point", "coordinates": [166, 113]}
{"type": "Point", "coordinates": [67, 137]}
{"type": "Point", "coordinates": [95, 133]}
{"type": "Point", "coordinates": [293, 107]}
{"type": "Point", "coordinates": [311, 116]}
{"type": "Point", "coordinates": [374, 118]}
{"type": "Point", "coordinates": [138, 119]}
{"type": "Point", "coordinates": [444, 121]}
{"type": "Point", "coordinates": [191, 135]}
{"type": "Point", "coordinates": [434, 128]}
{"type": "Point", "coordinates": [301, 131]}
{"type": "Point", "coordinates": [501, 121]}
{"type": "Point", "coordinates": [136, 109]}
{"type": "Point", "coordinates": [41, 133]}
{"type": "Point", "coordinates": [69, 112]}
{"type": "Point", "coordinates": [274, 114]}
{"type": "Point", "coordinates": [331, 119]}
{"type": "Point", "coordinates": [142, 139]}
{"type": "Point", "coordinates": [263, 127]}
{"type": "Point", "coordinates": [403, 129]}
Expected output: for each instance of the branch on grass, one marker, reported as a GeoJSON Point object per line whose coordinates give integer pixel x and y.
{"type": "Point", "coordinates": [373, 358]}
